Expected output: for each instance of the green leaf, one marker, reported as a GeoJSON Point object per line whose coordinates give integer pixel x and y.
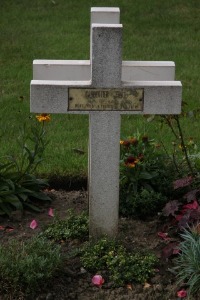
{"type": "Point", "coordinates": [6, 166]}
{"type": "Point", "coordinates": [41, 196]}
{"type": "Point", "coordinates": [5, 193]}
{"type": "Point", "coordinates": [14, 200]}
{"type": "Point", "coordinates": [146, 175]}
{"type": "Point", "coordinates": [32, 207]}
{"type": "Point", "coordinates": [23, 196]}
{"type": "Point", "coordinates": [5, 208]}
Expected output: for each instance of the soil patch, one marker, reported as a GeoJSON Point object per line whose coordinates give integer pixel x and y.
{"type": "Point", "coordinates": [75, 282]}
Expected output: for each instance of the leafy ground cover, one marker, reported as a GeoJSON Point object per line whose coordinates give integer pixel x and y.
{"type": "Point", "coordinates": [75, 282]}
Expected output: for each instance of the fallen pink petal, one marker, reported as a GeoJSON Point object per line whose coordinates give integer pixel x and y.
{"type": "Point", "coordinates": [51, 213]}
{"type": "Point", "coordinates": [9, 229]}
{"type": "Point", "coordinates": [182, 293]}
{"type": "Point", "coordinates": [164, 235]}
{"type": "Point", "coordinates": [98, 280]}
{"type": "Point", "coordinates": [33, 224]}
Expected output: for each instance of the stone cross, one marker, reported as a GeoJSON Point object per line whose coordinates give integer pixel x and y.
{"type": "Point", "coordinates": [104, 87]}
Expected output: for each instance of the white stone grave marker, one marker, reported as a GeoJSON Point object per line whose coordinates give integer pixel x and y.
{"type": "Point", "coordinates": [105, 87]}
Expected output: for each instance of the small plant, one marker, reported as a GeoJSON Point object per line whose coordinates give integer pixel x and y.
{"type": "Point", "coordinates": [144, 204]}
{"type": "Point", "coordinates": [142, 163]}
{"type": "Point", "coordinates": [188, 262]}
{"type": "Point", "coordinates": [73, 227]}
{"type": "Point", "coordinates": [143, 167]}
{"type": "Point", "coordinates": [186, 147]}
{"type": "Point", "coordinates": [25, 266]}
{"type": "Point", "coordinates": [122, 266]}
{"type": "Point", "coordinates": [138, 164]}
{"type": "Point", "coordinates": [186, 210]}
{"type": "Point", "coordinates": [19, 187]}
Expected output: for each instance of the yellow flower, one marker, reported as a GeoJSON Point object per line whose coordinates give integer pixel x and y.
{"type": "Point", "coordinates": [191, 141]}
{"type": "Point", "coordinates": [43, 118]}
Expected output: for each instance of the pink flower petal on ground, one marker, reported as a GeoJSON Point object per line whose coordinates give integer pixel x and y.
{"type": "Point", "coordinates": [9, 229]}
{"type": "Point", "coordinates": [33, 224]}
{"type": "Point", "coordinates": [182, 293]}
{"type": "Point", "coordinates": [51, 213]}
{"type": "Point", "coordinates": [98, 280]}
{"type": "Point", "coordinates": [163, 235]}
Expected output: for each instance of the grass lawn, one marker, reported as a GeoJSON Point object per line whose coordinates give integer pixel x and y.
{"type": "Point", "coordinates": [59, 29]}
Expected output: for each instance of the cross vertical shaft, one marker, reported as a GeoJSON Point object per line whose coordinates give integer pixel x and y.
{"type": "Point", "coordinates": [101, 76]}
{"type": "Point", "coordinates": [104, 133]}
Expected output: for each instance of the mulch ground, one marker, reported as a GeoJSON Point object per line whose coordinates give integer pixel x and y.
{"type": "Point", "coordinates": [74, 282]}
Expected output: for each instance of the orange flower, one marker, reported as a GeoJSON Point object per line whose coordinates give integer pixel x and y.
{"type": "Point", "coordinates": [125, 143]}
{"type": "Point", "coordinates": [43, 118]}
{"type": "Point", "coordinates": [131, 161]}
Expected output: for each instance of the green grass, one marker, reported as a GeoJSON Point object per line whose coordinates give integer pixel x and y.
{"type": "Point", "coordinates": [59, 29]}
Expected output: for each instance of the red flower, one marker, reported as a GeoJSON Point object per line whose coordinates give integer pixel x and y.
{"type": "Point", "coordinates": [131, 161]}
{"type": "Point", "coordinates": [125, 143]}
{"type": "Point", "coordinates": [182, 293]}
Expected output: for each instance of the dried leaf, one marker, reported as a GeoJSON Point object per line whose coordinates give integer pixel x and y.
{"type": "Point", "coordinates": [129, 286]}
{"type": "Point", "coordinates": [147, 285]}
{"type": "Point", "coordinates": [168, 250]}
{"type": "Point", "coordinates": [79, 151]}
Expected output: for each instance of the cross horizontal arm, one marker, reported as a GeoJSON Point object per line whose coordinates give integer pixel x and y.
{"type": "Point", "coordinates": [81, 70]}
{"type": "Point", "coordinates": [160, 97]}
{"type": "Point", "coordinates": [51, 96]}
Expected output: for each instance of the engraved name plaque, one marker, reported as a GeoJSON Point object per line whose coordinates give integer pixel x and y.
{"type": "Point", "coordinates": [119, 99]}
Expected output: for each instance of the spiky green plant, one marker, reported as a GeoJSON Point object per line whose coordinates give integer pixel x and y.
{"type": "Point", "coordinates": [188, 262]}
